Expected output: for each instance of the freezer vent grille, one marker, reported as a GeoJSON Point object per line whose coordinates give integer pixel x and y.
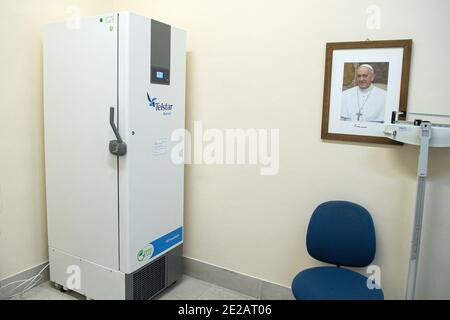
{"type": "Point", "coordinates": [149, 280]}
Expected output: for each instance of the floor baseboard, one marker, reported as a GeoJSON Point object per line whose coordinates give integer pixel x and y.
{"type": "Point", "coordinates": [244, 284]}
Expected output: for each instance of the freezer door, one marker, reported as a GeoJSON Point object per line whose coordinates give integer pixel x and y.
{"type": "Point", "coordinates": [80, 86]}
{"type": "Point", "coordinates": [151, 184]}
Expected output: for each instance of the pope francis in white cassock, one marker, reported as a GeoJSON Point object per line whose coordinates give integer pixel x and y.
{"type": "Point", "coordinates": [364, 102]}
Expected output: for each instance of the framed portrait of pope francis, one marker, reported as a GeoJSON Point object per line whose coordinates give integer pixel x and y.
{"type": "Point", "coordinates": [364, 83]}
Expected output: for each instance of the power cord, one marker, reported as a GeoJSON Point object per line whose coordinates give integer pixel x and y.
{"type": "Point", "coordinates": [27, 283]}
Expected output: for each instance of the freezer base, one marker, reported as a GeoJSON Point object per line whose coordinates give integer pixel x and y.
{"type": "Point", "coordinates": [97, 282]}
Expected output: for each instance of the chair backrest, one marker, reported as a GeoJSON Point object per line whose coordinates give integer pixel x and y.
{"type": "Point", "coordinates": [341, 233]}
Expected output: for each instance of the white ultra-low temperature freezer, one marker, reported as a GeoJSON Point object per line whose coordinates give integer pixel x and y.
{"type": "Point", "coordinates": [114, 91]}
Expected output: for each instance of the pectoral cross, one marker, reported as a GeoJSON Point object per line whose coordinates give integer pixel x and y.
{"type": "Point", "coordinates": [359, 114]}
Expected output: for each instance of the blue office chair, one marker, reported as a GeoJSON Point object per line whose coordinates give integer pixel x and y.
{"type": "Point", "coordinates": [340, 233]}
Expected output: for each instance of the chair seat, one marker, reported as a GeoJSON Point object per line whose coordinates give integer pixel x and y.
{"type": "Point", "coordinates": [332, 283]}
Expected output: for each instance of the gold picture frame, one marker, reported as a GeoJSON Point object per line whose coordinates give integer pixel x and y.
{"type": "Point", "coordinates": [387, 63]}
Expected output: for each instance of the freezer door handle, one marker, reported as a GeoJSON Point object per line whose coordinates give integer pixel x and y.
{"type": "Point", "coordinates": [116, 147]}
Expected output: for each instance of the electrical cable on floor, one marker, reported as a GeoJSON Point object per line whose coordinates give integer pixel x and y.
{"type": "Point", "coordinates": [29, 284]}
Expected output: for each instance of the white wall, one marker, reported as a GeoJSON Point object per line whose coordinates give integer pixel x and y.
{"type": "Point", "coordinates": [433, 279]}
{"type": "Point", "coordinates": [236, 218]}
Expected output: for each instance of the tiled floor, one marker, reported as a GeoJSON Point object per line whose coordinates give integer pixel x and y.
{"type": "Point", "coordinates": [187, 288]}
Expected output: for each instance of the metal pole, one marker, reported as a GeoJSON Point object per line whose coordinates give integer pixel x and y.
{"type": "Point", "coordinates": [420, 198]}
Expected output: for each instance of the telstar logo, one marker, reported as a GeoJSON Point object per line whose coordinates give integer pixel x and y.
{"type": "Point", "coordinates": [160, 106]}
{"type": "Point", "coordinates": [151, 102]}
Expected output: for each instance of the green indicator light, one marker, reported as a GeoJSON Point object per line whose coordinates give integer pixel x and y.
{"type": "Point", "coordinates": [110, 28]}
{"type": "Point", "coordinates": [101, 19]}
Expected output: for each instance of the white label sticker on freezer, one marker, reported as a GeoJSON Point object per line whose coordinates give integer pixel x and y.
{"type": "Point", "coordinates": [160, 146]}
